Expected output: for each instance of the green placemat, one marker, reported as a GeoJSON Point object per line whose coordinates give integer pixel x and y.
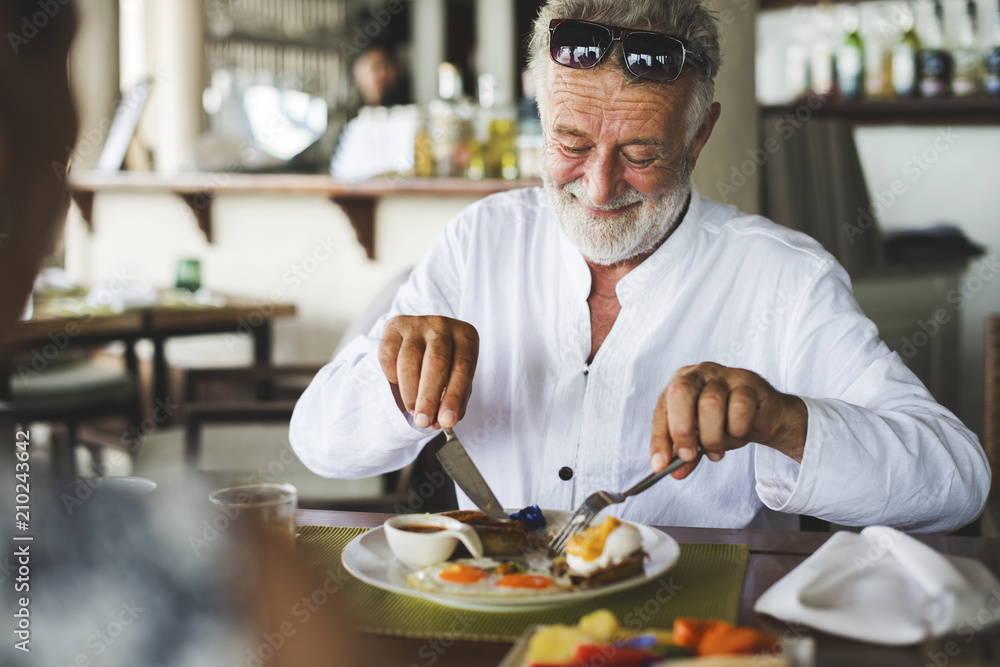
{"type": "Point", "coordinates": [706, 582]}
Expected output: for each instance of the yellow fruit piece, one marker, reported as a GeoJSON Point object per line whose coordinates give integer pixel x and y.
{"type": "Point", "coordinates": [555, 644]}
{"type": "Point", "coordinates": [589, 545]}
{"type": "Point", "coordinates": [601, 625]}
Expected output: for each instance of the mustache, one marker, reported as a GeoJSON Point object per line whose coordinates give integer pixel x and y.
{"type": "Point", "coordinates": [627, 198]}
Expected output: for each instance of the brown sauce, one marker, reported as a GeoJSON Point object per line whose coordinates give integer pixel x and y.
{"type": "Point", "coordinates": [417, 528]}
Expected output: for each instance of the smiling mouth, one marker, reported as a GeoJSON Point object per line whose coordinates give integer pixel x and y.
{"type": "Point", "coordinates": [604, 212]}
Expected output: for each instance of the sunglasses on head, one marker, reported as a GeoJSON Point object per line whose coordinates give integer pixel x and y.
{"type": "Point", "coordinates": [648, 55]}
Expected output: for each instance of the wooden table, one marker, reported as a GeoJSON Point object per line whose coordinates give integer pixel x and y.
{"type": "Point", "coordinates": [772, 555]}
{"type": "Point", "coordinates": [157, 324]}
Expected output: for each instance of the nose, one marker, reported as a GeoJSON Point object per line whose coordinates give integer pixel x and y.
{"type": "Point", "coordinates": [604, 177]}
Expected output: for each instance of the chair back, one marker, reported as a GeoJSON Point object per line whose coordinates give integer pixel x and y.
{"type": "Point", "coordinates": [991, 426]}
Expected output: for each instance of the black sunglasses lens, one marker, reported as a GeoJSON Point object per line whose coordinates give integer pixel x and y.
{"type": "Point", "coordinates": [579, 45]}
{"type": "Point", "coordinates": [653, 56]}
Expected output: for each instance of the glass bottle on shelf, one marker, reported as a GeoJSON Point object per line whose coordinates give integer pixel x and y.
{"type": "Point", "coordinates": [450, 124]}
{"type": "Point", "coordinates": [822, 72]}
{"type": "Point", "coordinates": [991, 79]}
{"type": "Point", "coordinates": [904, 56]}
{"type": "Point", "coordinates": [496, 134]}
{"type": "Point", "coordinates": [968, 73]}
{"type": "Point", "coordinates": [797, 62]}
{"type": "Point", "coordinates": [850, 57]}
{"type": "Point", "coordinates": [935, 62]}
{"type": "Point", "coordinates": [879, 36]}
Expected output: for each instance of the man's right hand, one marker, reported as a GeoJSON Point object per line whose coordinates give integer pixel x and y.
{"type": "Point", "coordinates": [430, 361]}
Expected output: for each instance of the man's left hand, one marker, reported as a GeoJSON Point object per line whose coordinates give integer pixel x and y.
{"type": "Point", "coordinates": [722, 408]}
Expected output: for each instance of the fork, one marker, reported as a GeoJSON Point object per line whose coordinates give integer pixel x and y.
{"type": "Point", "coordinates": [597, 501]}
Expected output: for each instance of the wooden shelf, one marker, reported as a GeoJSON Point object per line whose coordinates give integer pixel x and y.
{"type": "Point", "coordinates": [943, 111]}
{"type": "Point", "coordinates": [357, 201]}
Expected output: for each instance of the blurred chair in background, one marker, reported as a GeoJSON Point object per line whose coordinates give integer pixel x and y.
{"type": "Point", "coordinates": [991, 426]}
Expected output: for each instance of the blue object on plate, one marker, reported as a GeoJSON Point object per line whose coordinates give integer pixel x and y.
{"type": "Point", "coordinates": [532, 516]}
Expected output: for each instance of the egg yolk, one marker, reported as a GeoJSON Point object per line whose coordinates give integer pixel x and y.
{"type": "Point", "coordinates": [534, 581]}
{"type": "Point", "coordinates": [463, 574]}
{"type": "Point", "coordinates": [589, 545]}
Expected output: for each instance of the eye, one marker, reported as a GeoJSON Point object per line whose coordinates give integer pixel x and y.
{"type": "Point", "coordinates": [639, 161]}
{"type": "Point", "coordinates": [573, 150]}
{"type": "Point", "coordinates": [641, 156]}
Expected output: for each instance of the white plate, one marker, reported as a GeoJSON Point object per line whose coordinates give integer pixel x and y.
{"type": "Point", "coordinates": [369, 558]}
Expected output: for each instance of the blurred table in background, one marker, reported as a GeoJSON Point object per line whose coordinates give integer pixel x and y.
{"type": "Point", "coordinates": [66, 321]}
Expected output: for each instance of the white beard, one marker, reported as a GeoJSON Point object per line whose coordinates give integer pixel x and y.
{"type": "Point", "coordinates": [631, 234]}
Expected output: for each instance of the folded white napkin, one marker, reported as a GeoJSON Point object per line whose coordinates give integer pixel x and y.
{"type": "Point", "coordinates": [884, 587]}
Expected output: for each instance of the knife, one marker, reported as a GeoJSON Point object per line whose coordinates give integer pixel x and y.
{"type": "Point", "coordinates": [463, 471]}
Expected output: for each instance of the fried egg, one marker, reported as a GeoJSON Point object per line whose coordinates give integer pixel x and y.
{"type": "Point", "coordinates": [600, 547]}
{"type": "Point", "coordinates": [479, 576]}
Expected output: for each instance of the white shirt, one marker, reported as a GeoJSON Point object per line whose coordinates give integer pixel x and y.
{"type": "Point", "coordinates": [726, 287]}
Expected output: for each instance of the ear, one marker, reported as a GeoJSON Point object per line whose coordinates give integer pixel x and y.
{"type": "Point", "coordinates": [704, 132]}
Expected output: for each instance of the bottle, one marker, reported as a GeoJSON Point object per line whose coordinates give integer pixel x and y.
{"type": "Point", "coordinates": [879, 37]}
{"type": "Point", "coordinates": [904, 56]}
{"type": "Point", "coordinates": [822, 73]}
{"type": "Point", "coordinates": [968, 74]}
{"type": "Point", "coordinates": [935, 63]}
{"type": "Point", "coordinates": [850, 57]}
{"type": "Point", "coordinates": [991, 79]}
{"type": "Point", "coordinates": [450, 124]}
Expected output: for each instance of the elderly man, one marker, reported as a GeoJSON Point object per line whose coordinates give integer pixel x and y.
{"type": "Point", "coordinates": [616, 317]}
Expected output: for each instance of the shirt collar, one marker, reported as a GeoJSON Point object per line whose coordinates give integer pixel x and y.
{"type": "Point", "coordinates": [667, 256]}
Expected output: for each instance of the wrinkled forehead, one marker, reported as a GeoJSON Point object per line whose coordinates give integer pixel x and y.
{"type": "Point", "coordinates": [602, 99]}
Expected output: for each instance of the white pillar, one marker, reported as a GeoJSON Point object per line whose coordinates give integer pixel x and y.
{"type": "Point", "coordinates": [180, 58]}
{"type": "Point", "coordinates": [428, 47]}
{"type": "Point", "coordinates": [94, 74]}
{"type": "Point", "coordinates": [497, 46]}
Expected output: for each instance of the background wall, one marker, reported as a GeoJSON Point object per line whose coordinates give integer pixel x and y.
{"type": "Point", "coordinates": [718, 175]}
{"type": "Point", "coordinates": [957, 185]}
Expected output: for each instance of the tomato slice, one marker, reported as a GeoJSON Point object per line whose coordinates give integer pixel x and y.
{"type": "Point", "coordinates": [689, 631]}
{"type": "Point", "coordinates": [722, 640]}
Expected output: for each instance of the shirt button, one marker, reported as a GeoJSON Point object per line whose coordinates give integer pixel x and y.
{"type": "Point", "coordinates": [565, 473]}
{"type": "Point", "coordinates": [586, 372]}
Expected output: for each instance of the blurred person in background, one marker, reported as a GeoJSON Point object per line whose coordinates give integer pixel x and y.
{"type": "Point", "coordinates": [115, 580]}
{"type": "Point", "coordinates": [379, 79]}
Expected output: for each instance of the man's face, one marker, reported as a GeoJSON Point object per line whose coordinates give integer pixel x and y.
{"type": "Point", "coordinates": [617, 164]}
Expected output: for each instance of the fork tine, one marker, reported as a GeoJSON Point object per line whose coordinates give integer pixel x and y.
{"type": "Point", "coordinates": [559, 539]}
{"type": "Point", "coordinates": [580, 520]}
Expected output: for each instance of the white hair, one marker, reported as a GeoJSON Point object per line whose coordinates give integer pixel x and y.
{"type": "Point", "coordinates": [687, 20]}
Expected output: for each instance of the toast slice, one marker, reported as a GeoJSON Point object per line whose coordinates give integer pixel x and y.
{"type": "Point", "coordinates": [500, 538]}
{"type": "Point", "coordinates": [629, 567]}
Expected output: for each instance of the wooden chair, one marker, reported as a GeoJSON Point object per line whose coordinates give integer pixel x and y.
{"type": "Point", "coordinates": [991, 426]}
{"type": "Point", "coordinates": [73, 389]}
